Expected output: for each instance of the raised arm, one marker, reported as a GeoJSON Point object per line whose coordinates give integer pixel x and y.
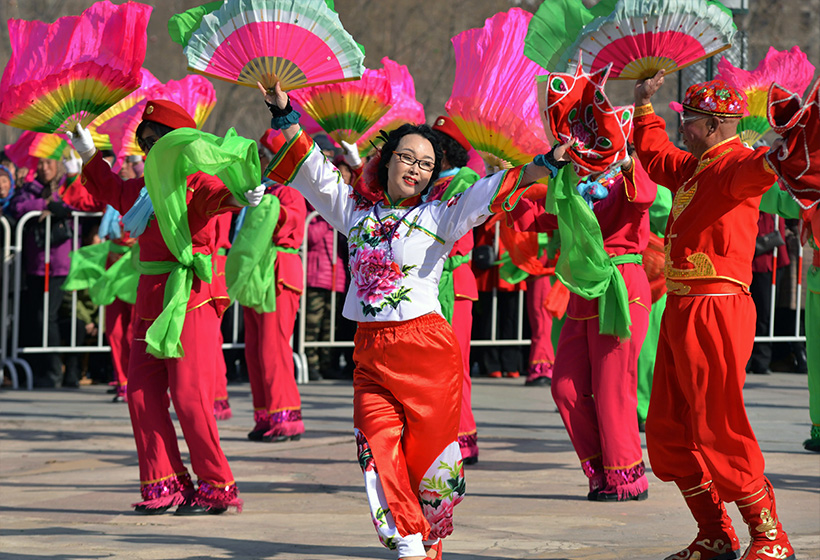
{"type": "Point", "coordinates": [661, 159]}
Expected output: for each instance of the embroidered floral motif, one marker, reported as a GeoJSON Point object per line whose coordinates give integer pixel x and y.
{"type": "Point", "coordinates": [377, 278]}
{"type": "Point", "coordinates": [442, 490]}
{"type": "Point", "coordinates": [363, 452]}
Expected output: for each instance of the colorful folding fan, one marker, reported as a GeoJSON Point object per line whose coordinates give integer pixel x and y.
{"type": "Point", "coordinates": [31, 146]}
{"type": "Point", "coordinates": [579, 108]}
{"type": "Point", "coordinates": [789, 69]}
{"type": "Point", "coordinates": [494, 101]}
{"type": "Point", "coordinates": [641, 37]}
{"type": "Point", "coordinates": [405, 108]}
{"type": "Point", "coordinates": [247, 41]}
{"type": "Point", "coordinates": [102, 141]}
{"type": "Point", "coordinates": [74, 69]}
{"type": "Point", "coordinates": [194, 93]}
{"type": "Point", "coordinates": [346, 110]}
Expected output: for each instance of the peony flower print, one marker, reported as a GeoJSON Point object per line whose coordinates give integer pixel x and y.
{"type": "Point", "coordinates": [374, 275]}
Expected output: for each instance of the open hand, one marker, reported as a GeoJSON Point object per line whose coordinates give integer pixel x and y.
{"type": "Point", "coordinates": [561, 152]}
{"type": "Point", "coordinates": [645, 89]}
{"type": "Point", "coordinates": [274, 96]}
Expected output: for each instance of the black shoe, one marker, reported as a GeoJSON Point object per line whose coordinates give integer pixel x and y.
{"type": "Point", "coordinates": [145, 510]}
{"type": "Point", "coordinates": [613, 497]}
{"type": "Point", "coordinates": [642, 427]}
{"type": "Point", "coordinates": [801, 361]}
{"type": "Point", "coordinates": [111, 390]}
{"type": "Point", "coordinates": [277, 439]}
{"type": "Point", "coordinates": [812, 444]}
{"type": "Point", "coordinates": [539, 381]}
{"type": "Point", "coordinates": [592, 496]}
{"type": "Point", "coordinates": [256, 435]}
{"type": "Point", "coordinates": [196, 509]}
{"type": "Point", "coordinates": [470, 460]}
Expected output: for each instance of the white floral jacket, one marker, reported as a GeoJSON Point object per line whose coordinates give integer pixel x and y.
{"type": "Point", "coordinates": [395, 268]}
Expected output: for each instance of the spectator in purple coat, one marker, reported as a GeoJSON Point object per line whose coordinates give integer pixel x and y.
{"type": "Point", "coordinates": [42, 195]}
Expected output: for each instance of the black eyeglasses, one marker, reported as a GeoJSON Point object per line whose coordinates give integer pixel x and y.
{"type": "Point", "coordinates": [424, 164]}
{"type": "Point", "coordinates": [146, 144]}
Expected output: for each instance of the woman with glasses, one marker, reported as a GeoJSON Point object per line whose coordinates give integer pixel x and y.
{"type": "Point", "coordinates": [407, 381]}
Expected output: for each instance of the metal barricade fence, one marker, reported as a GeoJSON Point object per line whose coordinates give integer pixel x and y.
{"type": "Point", "coordinates": [12, 255]}
{"type": "Point", "coordinates": [44, 347]}
{"type": "Point", "coordinates": [7, 320]}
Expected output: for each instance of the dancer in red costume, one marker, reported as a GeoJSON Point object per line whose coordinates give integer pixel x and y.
{"type": "Point", "coordinates": [164, 479]}
{"type": "Point", "coordinates": [408, 377]}
{"type": "Point", "coordinates": [595, 377]}
{"type": "Point", "coordinates": [697, 432]}
{"type": "Point", "coordinates": [461, 288]}
{"type": "Point", "coordinates": [277, 406]}
{"type": "Point", "coordinates": [222, 405]}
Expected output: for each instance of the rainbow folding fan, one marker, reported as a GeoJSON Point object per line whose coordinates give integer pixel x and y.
{"type": "Point", "coordinates": [641, 37]}
{"type": "Point", "coordinates": [32, 146]}
{"type": "Point", "coordinates": [247, 41]}
{"type": "Point", "coordinates": [789, 69]}
{"type": "Point", "coordinates": [494, 102]}
{"type": "Point", "coordinates": [346, 110]}
{"type": "Point", "coordinates": [193, 93]}
{"type": "Point", "coordinates": [102, 141]}
{"type": "Point", "coordinates": [405, 108]}
{"type": "Point", "coordinates": [74, 69]}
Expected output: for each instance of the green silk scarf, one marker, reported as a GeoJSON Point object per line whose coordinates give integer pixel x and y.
{"type": "Point", "coordinates": [250, 268]}
{"type": "Point", "coordinates": [176, 156]}
{"type": "Point", "coordinates": [583, 265]}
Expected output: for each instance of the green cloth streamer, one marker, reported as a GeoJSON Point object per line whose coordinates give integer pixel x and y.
{"type": "Point", "coordinates": [120, 280]}
{"type": "Point", "coordinates": [87, 266]}
{"type": "Point", "coordinates": [460, 182]}
{"type": "Point", "coordinates": [659, 211]}
{"type": "Point", "coordinates": [584, 266]}
{"type": "Point", "coordinates": [555, 26]}
{"type": "Point", "coordinates": [88, 272]}
{"type": "Point", "coordinates": [446, 288]}
{"type": "Point", "coordinates": [250, 267]}
{"type": "Point", "coordinates": [175, 157]}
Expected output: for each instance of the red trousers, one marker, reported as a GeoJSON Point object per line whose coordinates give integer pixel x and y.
{"type": "Point", "coordinates": [697, 421]}
{"type": "Point", "coordinates": [406, 405]}
{"type": "Point", "coordinates": [119, 330]}
{"type": "Point", "coordinates": [190, 380]}
{"type": "Point", "coordinates": [595, 386]}
{"type": "Point", "coordinates": [270, 357]}
{"type": "Point", "coordinates": [463, 326]}
{"type": "Point", "coordinates": [542, 355]}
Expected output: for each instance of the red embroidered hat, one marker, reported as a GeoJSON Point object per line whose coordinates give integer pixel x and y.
{"type": "Point", "coordinates": [448, 127]}
{"type": "Point", "coordinates": [715, 97]}
{"type": "Point", "coordinates": [273, 140]}
{"type": "Point", "coordinates": [168, 113]}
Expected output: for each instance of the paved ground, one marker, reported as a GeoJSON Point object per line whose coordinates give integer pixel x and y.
{"type": "Point", "coordinates": [68, 474]}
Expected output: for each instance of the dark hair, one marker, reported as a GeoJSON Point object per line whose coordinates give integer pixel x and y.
{"type": "Point", "coordinates": [391, 142]}
{"type": "Point", "coordinates": [107, 153]}
{"type": "Point", "coordinates": [159, 129]}
{"type": "Point", "coordinates": [455, 152]}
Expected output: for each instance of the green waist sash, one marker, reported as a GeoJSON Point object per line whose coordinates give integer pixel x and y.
{"type": "Point", "coordinates": [162, 337]}
{"type": "Point", "coordinates": [446, 287]}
